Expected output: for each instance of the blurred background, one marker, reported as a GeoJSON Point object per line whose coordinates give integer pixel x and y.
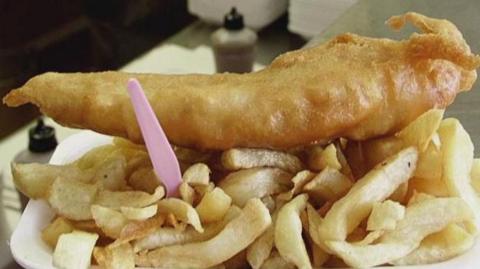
{"type": "Point", "coordinates": [175, 36]}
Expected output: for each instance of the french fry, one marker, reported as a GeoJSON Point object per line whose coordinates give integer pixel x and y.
{"type": "Point", "coordinates": [430, 163]}
{"type": "Point", "coordinates": [421, 219]}
{"type": "Point", "coordinates": [299, 181]}
{"type": "Point", "coordinates": [197, 174]}
{"type": "Point", "coordinates": [440, 246]}
{"type": "Point", "coordinates": [251, 223]}
{"type": "Point", "coordinates": [166, 236]}
{"type": "Point", "coordinates": [135, 213]}
{"type": "Point", "coordinates": [187, 193]}
{"type": "Point", "coordinates": [117, 199]}
{"type": "Point", "coordinates": [144, 179]}
{"type": "Point", "coordinates": [112, 173]}
{"type": "Point", "coordinates": [115, 257]}
{"type": "Point", "coordinates": [52, 232]}
{"type": "Point", "coordinates": [420, 131]}
{"type": "Point", "coordinates": [109, 220]}
{"type": "Point", "coordinates": [259, 251]}
{"type": "Point", "coordinates": [418, 197]}
{"type": "Point", "coordinates": [328, 185]}
{"type": "Point", "coordinates": [201, 190]}
{"type": "Point", "coordinates": [95, 156]}
{"type": "Point", "coordinates": [347, 213]}
{"type": "Point", "coordinates": [72, 199]}
{"type": "Point", "coordinates": [213, 206]}
{"type": "Point", "coordinates": [385, 215]}
{"type": "Point", "coordinates": [288, 233]}
{"type": "Point", "coordinates": [475, 175]}
{"type": "Point", "coordinates": [243, 185]}
{"type": "Point", "coordinates": [74, 250]}
{"type": "Point", "coordinates": [457, 148]}
{"type": "Point", "coordinates": [182, 210]}
{"type": "Point", "coordinates": [34, 180]}
{"type": "Point", "coordinates": [243, 158]}
{"type": "Point", "coordinates": [320, 158]}
{"type": "Point", "coordinates": [139, 229]}
{"type": "Point", "coordinates": [319, 256]}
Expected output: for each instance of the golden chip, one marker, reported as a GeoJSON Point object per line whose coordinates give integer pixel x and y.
{"type": "Point", "coordinates": [329, 184]}
{"type": "Point", "coordinates": [52, 232]}
{"type": "Point", "coordinates": [74, 250]}
{"type": "Point", "coordinates": [251, 223]}
{"type": "Point", "coordinates": [166, 236]}
{"type": "Point", "coordinates": [440, 246]}
{"type": "Point", "coordinates": [457, 148]}
{"type": "Point", "coordinates": [187, 193]}
{"type": "Point", "coordinates": [197, 174]}
{"type": "Point", "coordinates": [72, 199]}
{"type": "Point", "coordinates": [110, 221]}
{"type": "Point", "coordinates": [385, 215]}
{"type": "Point", "coordinates": [182, 211]}
{"type": "Point", "coordinates": [288, 232]}
{"type": "Point", "coordinates": [213, 206]}
{"type": "Point", "coordinates": [34, 180]}
{"type": "Point", "coordinates": [144, 179]}
{"type": "Point", "coordinates": [420, 131]}
{"type": "Point", "coordinates": [250, 183]}
{"type": "Point", "coordinates": [320, 158]}
{"type": "Point", "coordinates": [259, 251]}
{"type": "Point", "coordinates": [378, 184]}
{"type": "Point", "coordinates": [299, 181]}
{"type": "Point", "coordinates": [117, 199]}
{"type": "Point", "coordinates": [421, 219]}
{"type": "Point", "coordinates": [135, 213]}
{"type": "Point", "coordinates": [235, 159]}
{"type": "Point", "coordinates": [475, 175]}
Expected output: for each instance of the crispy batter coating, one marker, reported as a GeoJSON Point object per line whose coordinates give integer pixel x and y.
{"type": "Point", "coordinates": [352, 86]}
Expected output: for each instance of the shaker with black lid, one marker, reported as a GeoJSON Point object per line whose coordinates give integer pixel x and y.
{"type": "Point", "coordinates": [234, 45]}
{"type": "Point", "coordinates": [41, 145]}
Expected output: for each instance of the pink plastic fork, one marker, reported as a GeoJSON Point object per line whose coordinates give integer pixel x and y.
{"type": "Point", "coordinates": [165, 163]}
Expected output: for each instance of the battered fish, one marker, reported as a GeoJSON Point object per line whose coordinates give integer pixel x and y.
{"type": "Point", "coordinates": [352, 86]}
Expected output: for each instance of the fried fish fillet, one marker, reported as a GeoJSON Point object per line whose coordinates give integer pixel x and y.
{"type": "Point", "coordinates": [352, 86]}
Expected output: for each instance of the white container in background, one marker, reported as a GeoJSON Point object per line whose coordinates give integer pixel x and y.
{"type": "Point", "coordinates": [309, 18]}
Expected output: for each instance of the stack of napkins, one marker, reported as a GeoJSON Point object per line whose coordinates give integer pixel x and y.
{"type": "Point", "coordinates": [310, 17]}
{"type": "Point", "coordinates": [256, 13]}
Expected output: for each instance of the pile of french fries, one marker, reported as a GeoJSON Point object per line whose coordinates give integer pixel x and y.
{"type": "Point", "coordinates": [410, 198]}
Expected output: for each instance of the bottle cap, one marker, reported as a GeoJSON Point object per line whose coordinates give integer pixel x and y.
{"type": "Point", "coordinates": [233, 20]}
{"type": "Point", "coordinates": [41, 138]}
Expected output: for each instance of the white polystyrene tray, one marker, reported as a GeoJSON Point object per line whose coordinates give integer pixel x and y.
{"type": "Point", "coordinates": [31, 252]}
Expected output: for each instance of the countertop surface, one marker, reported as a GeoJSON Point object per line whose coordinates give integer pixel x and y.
{"type": "Point", "coordinates": [367, 17]}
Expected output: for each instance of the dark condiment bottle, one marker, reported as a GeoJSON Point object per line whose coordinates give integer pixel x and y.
{"type": "Point", "coordinates": [234, 45]}
{"type": "Point", "coordinates": [41, 145]}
